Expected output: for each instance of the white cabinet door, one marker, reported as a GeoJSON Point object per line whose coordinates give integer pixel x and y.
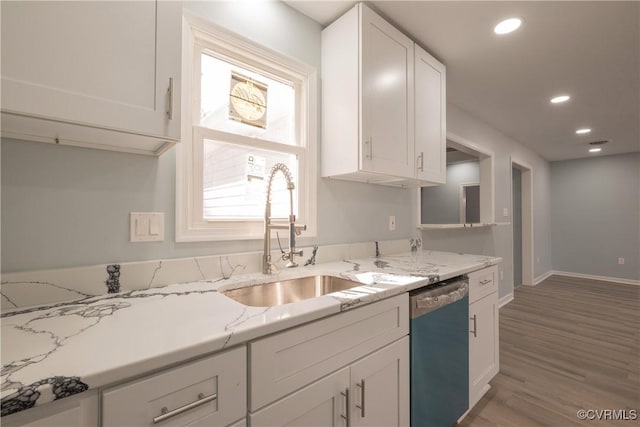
{"type": "Point", "coordinates": [387, 98]}
{"type": "Point", "coordinates": [101, 65]}
{"type": "Point", "coordinates": [323, 403]}
{"type": "Point", "coordinates": [430, 118]}
{"type": "Point", "coordinates": [380, 387]}
{"type": "Point", "coordinates": [484, 356]}
{"type": "Point", "coordinates": [73, 411]}
{"type": "Point", "coordinates": [241, 423]}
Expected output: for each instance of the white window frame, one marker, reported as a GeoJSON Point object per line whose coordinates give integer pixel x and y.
{"type": "Point", "coordinates": [190, 224]}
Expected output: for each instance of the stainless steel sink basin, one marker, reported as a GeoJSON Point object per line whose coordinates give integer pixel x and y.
{"type": "Point", "coordinates": [288, 291]}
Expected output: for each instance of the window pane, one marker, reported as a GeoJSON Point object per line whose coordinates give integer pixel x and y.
{"type": "Point", "coordinates": [235, 182]}
{"type": "Point", "coordinates": [222, 104]}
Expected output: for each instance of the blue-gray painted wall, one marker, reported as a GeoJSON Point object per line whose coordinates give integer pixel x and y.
{"type": "Point", "coordinates": [67, 206]}
{"type": "Point", "coordinates": [440, 204]}
{"type": "Point", "coordinates": [498, 240]}
{"type": "Point", "coordinates": [595, 216]}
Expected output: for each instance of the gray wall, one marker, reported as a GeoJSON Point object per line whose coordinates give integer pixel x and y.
{"type": "Point", "coordinates": [498, 240]}
{"type": "Point", "coordinates": [441, 203]}
{"type": "Point", "coordinates": [67, 206]}
{"type": "Point", "coordinates": [595, 216]}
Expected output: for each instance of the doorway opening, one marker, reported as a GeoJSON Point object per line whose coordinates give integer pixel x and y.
{"type": "Point", "coordinates": [470, 203]}
{"type": "Point", "coordinates": [522, 222]}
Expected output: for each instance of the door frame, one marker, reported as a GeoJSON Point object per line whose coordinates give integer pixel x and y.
{"type": "Point", "coordinates": [527, 220]}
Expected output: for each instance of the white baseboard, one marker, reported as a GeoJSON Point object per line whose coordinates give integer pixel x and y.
{"type": "Point", "coordinates": [542, 277]}
{"type": "Point", "coordinates": [505, 300]}
{"type": "Point", "coordinates": [587, 276]}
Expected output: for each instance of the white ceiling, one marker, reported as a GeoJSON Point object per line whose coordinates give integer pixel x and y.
{"type": "Point", "coordinates": [589, 50]}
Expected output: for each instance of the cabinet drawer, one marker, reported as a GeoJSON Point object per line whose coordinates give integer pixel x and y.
{"type": "Point", "coordinates": [482, 283]}
{"type": "Point", "coordinates": [211, 391]}
{"type": "Point", "coordinates": [80, 410]}
{"type": "Point", "coordinates": [285, 362]}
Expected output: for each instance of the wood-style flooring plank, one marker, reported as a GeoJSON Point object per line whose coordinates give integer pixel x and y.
{"type": "Point", "coordinates": [566, 344]}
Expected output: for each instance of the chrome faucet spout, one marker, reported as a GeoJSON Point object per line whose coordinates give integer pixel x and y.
{"type": "Point", "coordinates": [294, 229]}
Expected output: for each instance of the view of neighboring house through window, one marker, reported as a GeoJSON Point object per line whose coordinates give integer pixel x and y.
{"type": "Point", "coordinates": [260, 112]}
{"type": "Point", "coordinates": [248, 109]}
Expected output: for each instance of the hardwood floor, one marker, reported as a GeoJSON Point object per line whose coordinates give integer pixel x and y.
{"type": "Point", "coordinates": [566, 344]}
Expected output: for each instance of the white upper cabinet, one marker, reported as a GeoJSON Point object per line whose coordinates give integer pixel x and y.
{"type": "Point", "coordinates": [430, 118]}
{"type": "Point", "coordinates": [370, 105]}
{"type": "Point", "coordinates": [96, 74]}
{"type": "Point", "coordinates": [387, 99]}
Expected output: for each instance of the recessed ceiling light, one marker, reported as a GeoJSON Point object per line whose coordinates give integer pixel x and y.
{"type": "Point", "coordinates": [559, 99]}
{"type": "Point", "coordinates": [595, 150]}
{"type": "Point", "coordinates": [507, 26]}
{"type": "Point", "coordinates": [582, 131]}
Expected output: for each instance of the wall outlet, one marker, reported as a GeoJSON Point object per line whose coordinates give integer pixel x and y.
{"type": "Point", "coordinates": [537, 260]}
{"type": "Point", "coordinates": [392, 222]}
{"type": "Point", "coordinates": [505, 212]}
{"type": "Point", "coordinates": [620, 261]}
{"type": "Point", "coordinates": [501, 275]}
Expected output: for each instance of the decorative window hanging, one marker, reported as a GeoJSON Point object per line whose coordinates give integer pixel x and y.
{"type": "Point", "coordinates": [248, 101]}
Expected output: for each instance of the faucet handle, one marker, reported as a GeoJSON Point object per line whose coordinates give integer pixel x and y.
{"type": "Point", "coordinates": [288, 255]}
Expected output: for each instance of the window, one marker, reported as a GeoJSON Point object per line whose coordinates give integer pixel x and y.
{"type": "Point", "coordinates": [245, 108]}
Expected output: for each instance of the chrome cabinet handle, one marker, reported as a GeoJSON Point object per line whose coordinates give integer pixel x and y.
{"type": "Point", "coordinates": [485, 281]}
{"type": "Point", "coordinates": [165, 413]}
{"type": "Point", "coordinates": [170, 93]}
{"type": "Point", "coordinates": [421, 162]}
{"type": "Point", "coordinates": [475, 326]}
{"type": "Point", "coordinates": [347, 418]}
{"type": "Point", "coordinates": [368, 154]}
{"type": "Point", "coordinates": [361, 406]}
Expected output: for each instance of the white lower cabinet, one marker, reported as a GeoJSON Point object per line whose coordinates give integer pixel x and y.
{"type": "Point", "coordinates": [207, 392]}
{"type": "Point", "coordinates": [484, 350]}
{"type": "Point", "coordinates": [347, 369]}
{"type": "Point", "coordinates": [373, 391]}
{"type": "Point", "coordinates": [73, 411]}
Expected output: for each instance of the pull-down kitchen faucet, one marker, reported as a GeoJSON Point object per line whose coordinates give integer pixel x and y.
{"type": "Point", "coordinates": [294, 229]}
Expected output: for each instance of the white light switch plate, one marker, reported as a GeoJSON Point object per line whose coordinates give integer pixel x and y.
{"type": "Point", "coordinates": [146, 226]}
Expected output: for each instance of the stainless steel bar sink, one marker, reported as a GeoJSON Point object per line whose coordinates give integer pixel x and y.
{"type": "Point", "coordinates": [288, 291]}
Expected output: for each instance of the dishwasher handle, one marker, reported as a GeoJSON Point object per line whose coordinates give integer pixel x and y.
{"type": "Point", "coordinates": [432, 300]}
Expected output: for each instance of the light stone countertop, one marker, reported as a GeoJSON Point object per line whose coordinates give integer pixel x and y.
{"type": "Point", "coordinates": [61, 349]}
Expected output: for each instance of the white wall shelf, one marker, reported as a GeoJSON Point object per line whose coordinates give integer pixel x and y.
{"type": "Point", "coordinates": [451, 226]}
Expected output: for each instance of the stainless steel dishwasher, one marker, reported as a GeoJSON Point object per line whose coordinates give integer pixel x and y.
{"type": "Point", "coordinates": [439, 353]}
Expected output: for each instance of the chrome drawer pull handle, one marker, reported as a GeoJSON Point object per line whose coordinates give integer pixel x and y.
{"type": "Point", "coordinates": [421, 162]}
{"type": "Point", "coordinates": [347, 418]}
{"type": "Point", "coordinates": [361, 406]}
{"type": "Point", "coordinates": [170, 95]}
{"type": "Point", "coordinates": [165, 413]}
{"type": "Point", "coordinates": [484, 282]}
{"type": "Point", "coordinates": [475, 326]}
